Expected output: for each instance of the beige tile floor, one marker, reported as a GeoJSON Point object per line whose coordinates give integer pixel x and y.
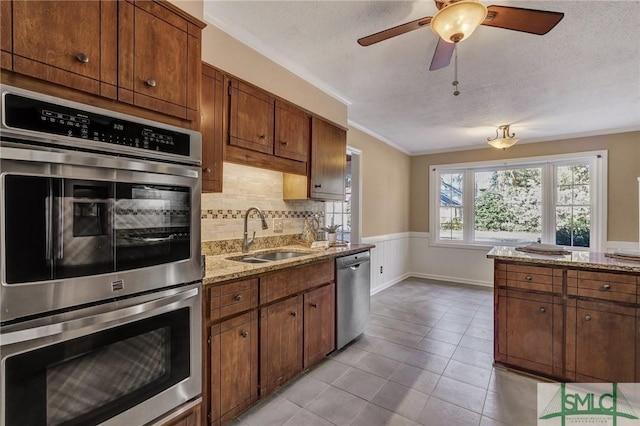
{"type": "Point", "coordinates": [425, 359]}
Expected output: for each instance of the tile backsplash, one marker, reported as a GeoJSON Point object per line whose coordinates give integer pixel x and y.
{"type": "Point", "coordinates": [243, 187]}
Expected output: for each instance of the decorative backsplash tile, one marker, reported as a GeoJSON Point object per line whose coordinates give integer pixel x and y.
{"type": "Point", "coordinates": [243, 187]}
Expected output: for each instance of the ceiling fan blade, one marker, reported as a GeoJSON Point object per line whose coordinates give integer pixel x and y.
{"type": "Point", "coordinates": [442, 55]}
{"type": "Point", "coordinates": [395, 31]}
{"type": "Point", "coordinates": [531, 21]}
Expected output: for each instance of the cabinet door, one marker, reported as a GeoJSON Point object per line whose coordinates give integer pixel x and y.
{"type": "Point", "coordinates": [250, 117]}
{"type": "Point", "coordinates": [319, 324]}
{"type": "Point", "coordinates": [190, 417]}
{"type": "Point", "coordinates": [280, 343]}
{"type": "Point", "coordinates": [71, 43]}
{"type": "Point", "coordinates": [328, 160]}
{"type": "Point", "coordinates": [212, 113]}
{"type": "Point", "coordinates": [157, 70]}
{"type": "Point", "coordinates": [234, 366]}
{"type": "Point", "coordinates": [292, 132]}
{"type": "Point", "coordinates": [604, 347]}
{"type": "Point", "coordinates": [530, 331]}
{"type": "Point", "coordinates": [6, 40]}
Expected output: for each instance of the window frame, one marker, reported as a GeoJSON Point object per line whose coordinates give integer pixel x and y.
{"type": "Point", "coordinates": [597, 161]}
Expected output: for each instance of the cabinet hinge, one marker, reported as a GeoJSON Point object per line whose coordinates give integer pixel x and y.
{"type": "Point", "coordinates": [209, 416]}
{"type": "Point", "coordinates": [209, 340]}
{"type": "Point", "coordinates": [229, 89]}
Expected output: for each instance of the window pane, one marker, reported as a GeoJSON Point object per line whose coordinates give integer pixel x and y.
{"type": "Point", "coordinates": [451, 206]}
{"type": "Point", "coordinates": [508, 205]}
{"type": "Point", "coordinates": [573, 210]}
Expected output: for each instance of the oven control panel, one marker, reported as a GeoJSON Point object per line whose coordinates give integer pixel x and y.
{"type": "Point", "coordinates": [31, 114]}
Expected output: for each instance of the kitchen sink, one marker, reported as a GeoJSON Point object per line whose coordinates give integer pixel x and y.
{"type": "Point", "coordinates": [267, 257]}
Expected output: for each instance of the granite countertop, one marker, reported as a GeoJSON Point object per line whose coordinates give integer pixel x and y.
{"type": "Point", "coordinates": [580, 259]}
{"type": "Point", "coordinates": [219, 268]}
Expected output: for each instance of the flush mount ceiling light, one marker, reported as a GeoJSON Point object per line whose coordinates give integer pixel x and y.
{"type": "Point", "coordinates": [506, 141]}
{"type": "Point", "coordinates": [456, 21]}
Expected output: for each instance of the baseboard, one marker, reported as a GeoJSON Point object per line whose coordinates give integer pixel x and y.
{"type": "Point", "coordinates": [390, 283]}
{"type": "Point", "coordinates": [450, 279]}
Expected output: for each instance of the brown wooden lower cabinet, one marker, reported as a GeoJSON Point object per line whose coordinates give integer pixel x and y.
{"type": "Point", "coordinates": [319, 324]}
{"type": "Point", "coordinates": [260, 332]}
{"type": "Point", "coordinates": [280, 343]}
{"type": "Point", "coordinates": [585, 328]}
{"type": "Point", "coordinates": [601, 342]}
{"type": "Point", "coordinates": [234, 366]}
{"type": "Point", "coordinates": [188, 417]}
{"type": "Point", "coordinates": [531, 331]}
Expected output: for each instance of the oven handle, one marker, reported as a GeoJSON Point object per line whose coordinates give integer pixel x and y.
{"type": "Point", "coordinates": [80, 323]}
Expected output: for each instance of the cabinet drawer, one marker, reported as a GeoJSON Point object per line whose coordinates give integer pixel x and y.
{"type": "Point", "coordinates": [232, 298]}
{"type": "Point", "coordinates": [602, 285]}
{"type": "Point", "coordinates": [295, 280]}
{"type": "Point", "coordinates": [532, 278]}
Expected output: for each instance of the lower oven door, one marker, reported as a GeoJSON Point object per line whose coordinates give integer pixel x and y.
{"type": "Point", "coordinates": [125, 362]}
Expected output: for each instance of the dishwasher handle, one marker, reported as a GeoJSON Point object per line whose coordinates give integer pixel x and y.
{"type": "Point", "coordinates": [353, 261]}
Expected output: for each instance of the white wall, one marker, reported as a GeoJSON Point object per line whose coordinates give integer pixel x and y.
{"type": "Point", "coordinates": [392, 255]}
{"type": "Point", "coordinates": [410, 254]}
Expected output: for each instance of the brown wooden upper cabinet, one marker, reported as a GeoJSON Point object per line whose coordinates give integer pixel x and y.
{"type": "Point", "coordinates": [159, 58]}
{"type": "Point", "coordinates": [291, 132]}
{"type": "Point", "coordinates": [326, 179]}
{"type": "Point", "coordinates": [71, 43]}
{"type": "Point", "coordinates": [264, 131]}
{"type": "Point", "coordinates": [145, 53]}
{"type": "Point", "coordinates": [250, 117]}
{"type": "Point", "coordinates": [6, 36]}
{"type": "Point", "coordinates": [211, 127]}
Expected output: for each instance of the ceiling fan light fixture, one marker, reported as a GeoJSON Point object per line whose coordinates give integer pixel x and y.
{"type": "Point", "coordinates": [457, 21]}
{"type": "Point", "coordinates": [506, 141]}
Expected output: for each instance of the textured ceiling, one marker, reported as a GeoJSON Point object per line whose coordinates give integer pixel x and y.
{"type": "Point", "coordinates": [582, 78]}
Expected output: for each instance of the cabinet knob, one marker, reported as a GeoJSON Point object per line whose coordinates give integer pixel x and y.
{"type": "Point", "coordinates": [529, 278]}
{"type": "Point", "coordinates": [238, 298]}
{"type": "Point", "coordinates": [294, 313]}
{"type": "Point", "coordinates": [587, 317]}
{"type": "Point", "coordinates": [81, 57]}
{"type": "Point", "coordinates": [318, 185]}
{"type": "Point", "coordinates": [207, 170]}
{"type": "Point", "coordinates": [542, 309]}
{"type": "Point", "coordinates": [244, 334]}
{"type": "Point", "coordinates": [263, 136]}
{"type": "Point", "coordinates": [606, 286]}
{"type": "Point", "coordinates": [285, 143]}
{"type": "Point", "coordinates": [314, 305]}
{"type": "Point", "coordinates": [150, 82]}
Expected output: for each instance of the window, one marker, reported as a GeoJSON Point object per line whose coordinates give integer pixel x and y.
{"type": "Point", "coordinates": [554, 200]}
{"type": "Point", "coordinates": [339, 212]}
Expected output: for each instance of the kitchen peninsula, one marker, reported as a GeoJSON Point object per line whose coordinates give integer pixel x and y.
{"type": "Point", "coordinates": [571, 317]}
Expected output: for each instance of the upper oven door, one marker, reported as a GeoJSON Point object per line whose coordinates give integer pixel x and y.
{"type": "Point", "coordinates": [77, 228]}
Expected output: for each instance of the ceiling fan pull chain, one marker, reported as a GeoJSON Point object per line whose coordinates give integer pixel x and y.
{"type": "Point", "coordinates": [455, 81]}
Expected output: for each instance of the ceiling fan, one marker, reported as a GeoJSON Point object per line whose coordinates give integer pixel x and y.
{"type": "Point", "coordinates": [457, 19]}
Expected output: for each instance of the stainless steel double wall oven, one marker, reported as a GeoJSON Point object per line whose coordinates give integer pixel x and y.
{"type": "Point", "coordinates": [100, 298]}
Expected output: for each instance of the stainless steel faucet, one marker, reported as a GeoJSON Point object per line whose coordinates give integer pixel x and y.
{"type": "Point", "coordinates": [246, 242]}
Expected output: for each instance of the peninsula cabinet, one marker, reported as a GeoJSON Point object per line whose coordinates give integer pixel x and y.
{"type": "Point", "coordinates": [601, 327]}
{"type": "Point", "coordinates": [211, 127]}
{"type": "Point", "coordinates": [142, 53]}
{"type": "Point", "coordinates": [569, 323]}
{"type": "Point", "coordinates": [264, 131]}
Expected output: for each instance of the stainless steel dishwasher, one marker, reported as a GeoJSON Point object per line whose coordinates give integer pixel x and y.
{"type": "Point", "coordinates": [353, 296]}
